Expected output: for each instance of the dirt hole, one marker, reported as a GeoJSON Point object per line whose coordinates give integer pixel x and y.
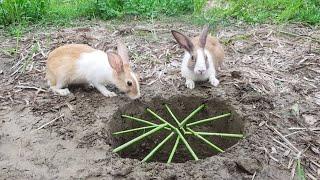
{"type": "Point", "coordinates": [181, 106]}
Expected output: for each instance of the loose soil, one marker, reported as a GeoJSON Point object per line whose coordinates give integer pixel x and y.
{"type": "Point", "coordinates": [270, 79]}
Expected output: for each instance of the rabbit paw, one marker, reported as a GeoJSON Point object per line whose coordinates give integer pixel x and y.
{"type": "Point", "coordinates": [61, 92]}
{"type": "Point", "coordinates": [109, 94]}
{"type": "Point", "coordinates": [214, 81]}
{"type": "Point", "coordinates": [190, 84]}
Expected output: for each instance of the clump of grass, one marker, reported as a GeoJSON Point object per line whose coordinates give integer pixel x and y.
{"type": "Point", "coordinates": [181, 130]}
{"type": "Point", "coordinates": [17, 11]}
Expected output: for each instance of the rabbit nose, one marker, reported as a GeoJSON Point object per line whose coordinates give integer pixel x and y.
{"type": "Point", "coordinates": [201, 71]}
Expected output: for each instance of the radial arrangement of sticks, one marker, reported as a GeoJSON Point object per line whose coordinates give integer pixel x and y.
{"type": "Point", "coordinates": [183, 128]}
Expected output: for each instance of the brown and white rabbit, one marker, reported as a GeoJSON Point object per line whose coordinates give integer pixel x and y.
{"type": "Point", "coordinates": [203, 55]}
{"type": "Point", "coordinates": [79, 64]}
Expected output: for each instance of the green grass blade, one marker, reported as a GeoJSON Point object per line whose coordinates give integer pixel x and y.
{"type": "Point", "coordinates": [300, 172]}
{"type": "Point", "coordinates": [160, 118]}
{"type": "Point", "coordinates": [139, 138]}
{"type": "Point", "coordinates": [157, 147]}
{"type": "Point", "coordinates": [205, 140]}
{"type": "Point", "coordinates": [135, 129]}
{"type": "Point", "coordinates": [173, 116]}
{"type": "Point", "coordinates": [191, 115]}
{"type": "Point", "coordinates": [208, 120]}
{"type": "Point", "coordinates": [187, 144]}
{"type": "Point", "coordinates": [174, 149]}
{"type": "Point", "coordinates": [220, 134]}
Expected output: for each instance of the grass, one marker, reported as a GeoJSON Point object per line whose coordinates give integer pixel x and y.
{"type": "Point", "coordinates": [20, 14]}
{"type": "Point", "coordinates": [265, 11]}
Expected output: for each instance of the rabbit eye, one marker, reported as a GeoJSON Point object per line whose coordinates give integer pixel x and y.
{"type": "Point", "coordinates": [193, 59]}
{"type": "Point", "coordinates": [129, 83]}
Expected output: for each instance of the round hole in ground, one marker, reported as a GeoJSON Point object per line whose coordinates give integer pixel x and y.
{"type": "Point", "coordinates": [181, 106]}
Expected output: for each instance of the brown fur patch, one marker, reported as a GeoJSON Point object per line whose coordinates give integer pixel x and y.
{"type": "Point", "coordinates": [213, 46]}
{"type": "Point", "coordinates": [61, 62]}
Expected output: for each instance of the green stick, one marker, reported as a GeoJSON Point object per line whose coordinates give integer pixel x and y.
{"type": "Point", "coordinates": [205, 140]}
{"type": "Point", "coordinates": [191, 115]}
{"type": "Point", "coordinates": [207, 120]}
{"type": "Point", "coordinates": [160, 118]}
{"type": "Point", "coordinates": [177, 131]}
{"type": "Point", "coordinates": [157, 147]}
{"type": "Point", "coordinates": [173, 116]}
{"type": "Point", "coordinates": [174, 149]}
{"type": "Point", "coordinates": [135, 129]}
{"type": "Point", "coordinates": [139, 120]}
{"type": "Point", "coordinates": [187, 144]}
{"type": "Point", "coordinates": [139, 138]}
{"type": "Point", "coordinates": [142, 121]}
{"type": "Point", "coordinates": [220, 134]}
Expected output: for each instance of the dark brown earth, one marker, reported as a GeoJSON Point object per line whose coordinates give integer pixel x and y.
{"type": "Point", "coordinates": [270, 78]}
{"type": "Point", "coordinates": [181, 106]}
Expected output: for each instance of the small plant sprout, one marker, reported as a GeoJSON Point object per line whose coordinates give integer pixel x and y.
{"type": "Point", "coordinates": [179, 130]}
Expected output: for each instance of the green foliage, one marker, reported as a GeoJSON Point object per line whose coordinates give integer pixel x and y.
{"type": "Point", "coordinates": [148, 8]}
{"type": "Point", "coordinates": [261, 11]}
{"type": "Point", "coordinates": [17, 11]}
{"type": "Point", "coordinates": [63, 11]}
{"type": "Point", "coordinates": [300, 172]}
{"type": "Point", "coordinates": [224, 11]}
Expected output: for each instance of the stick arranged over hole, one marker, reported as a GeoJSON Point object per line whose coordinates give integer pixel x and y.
{"type": "Point", "coordinates": [181, 130]}
{"type": "Point", "coordinates": [139, 138]}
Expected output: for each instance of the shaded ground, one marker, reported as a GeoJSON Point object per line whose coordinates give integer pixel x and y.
{"type": "Point", "coordinates": [271, 77]}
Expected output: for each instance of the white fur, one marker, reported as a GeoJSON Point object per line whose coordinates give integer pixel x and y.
{"type": "Point", "coordinates": [192, 76]}
{"type": "Point", "coordinates": [200, 65]}
{"type": "Point", "coordinates": [137, 83]}
{"type": "Point", "coordinates": [92, 68]}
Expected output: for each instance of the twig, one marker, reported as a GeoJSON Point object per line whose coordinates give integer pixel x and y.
{"type": "Point", "coordinates": [31, 87]}
{"type": "Point", "coordinates": [48, 123]}
{"type": "Point", "coordinates": [298, 35]}
{"type": "Point", "coordinates": [284, 139]}
{"type": "Point", "coordinates": [254, 175]}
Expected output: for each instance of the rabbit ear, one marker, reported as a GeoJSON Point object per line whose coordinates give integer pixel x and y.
{"type": "Point", "coordinates": [123, 52]}
{"type": "Point", "coordinates": [203, 35]}
{"type": "Point", "coordinates": [183, 40]}
{"type": "Point", "coordinates": [115, 62]}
